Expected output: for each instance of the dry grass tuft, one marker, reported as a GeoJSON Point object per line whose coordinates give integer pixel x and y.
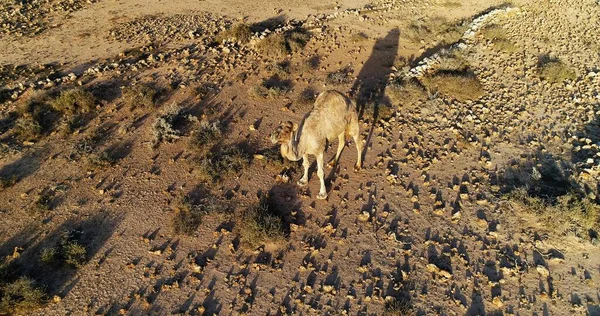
{"type": "Point", "coordinates": [554, 70]}
{"type": "Point", "coordinates": [306, 97]}
{"type": "Point", "coordinates": [405, 93]}
{"type": "Point", "coordinates": [28, 128]}
{"type": "Point", "coordinates": [462, 86]}
{"type": "Point", "coordinates": [397, 307]}
{"type": "Point", "coordinates": [281, 44]}
{"type": "Point", "coordinates": [240, 33]}
{"type": "Point", "coordinates": [570, 214]}
{"type": "Point", "coordinates": [359, 37]}
{"type": "Point", "coordinates": [260, 224]}
{"type": "Point", "coordinates": [497, 35]}
{"type": "Point", "coordinates": [273, 45]}
{"type": "Point", "coordinates": [436, 28]}
{"type": "Point", "coordinates": [140, 95]}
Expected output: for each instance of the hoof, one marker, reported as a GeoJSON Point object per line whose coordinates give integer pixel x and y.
{"type": "Point", "coordinates": [322, 196]}
{"type": "Point", "coordinates": [331, 164]}
{"type": "Point", "coordinates": [357, 167]}
{"type": "Point", "coordinates": [301, 182]}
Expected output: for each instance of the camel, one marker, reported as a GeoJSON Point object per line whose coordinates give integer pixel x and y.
{"type": "Point", "coordinates": [333, 115]}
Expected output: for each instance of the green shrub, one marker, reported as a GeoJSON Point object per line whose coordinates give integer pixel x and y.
{"type": "Point", "coordinates": [20, 297]}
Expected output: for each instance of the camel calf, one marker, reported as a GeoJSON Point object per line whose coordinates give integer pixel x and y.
{"type": "Point", "coordinates": [333, 115]}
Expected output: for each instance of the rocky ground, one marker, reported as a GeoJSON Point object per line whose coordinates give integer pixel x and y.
{"type": "Point", "coordinates": [481, 199]}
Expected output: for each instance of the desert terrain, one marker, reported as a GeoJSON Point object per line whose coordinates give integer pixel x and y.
{"type": "Point", "coordinates": [137, 176]}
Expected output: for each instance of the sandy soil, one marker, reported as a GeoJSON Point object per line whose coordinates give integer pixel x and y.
{"type": "Point", "coordinates": [425, 222]}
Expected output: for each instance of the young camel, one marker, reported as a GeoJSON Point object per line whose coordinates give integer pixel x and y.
{"type": "Point", "coordinates": [333, 115]}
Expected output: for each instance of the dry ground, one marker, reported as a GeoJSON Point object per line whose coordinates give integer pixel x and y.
{"type": "Point", "coordinates": [479, 193]}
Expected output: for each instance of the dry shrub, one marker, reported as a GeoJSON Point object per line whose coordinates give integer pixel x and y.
{"type": "Point", "coordinates": [73, 102]}
{"type": "Point", "coordinates": [554, 70]}
{"type": "Point", "coordinates": [27, 128]}
{"type": "Point", "coordinates": [462, 86]}
{"type": "Point", "coordinates": [240, 33]}
{"type": "Point", "coordinates": [140, 95]}
{"type": "Point", "coordinates": [20, 297]}
{"type": "Point", "coordinates": [260, 224]}
{"type": "Point", "coordinates": [224, 162]}
{"type": "Point", "coordinates": [499, 38]}
{"type": "Point", "coordinates": [35, 118]}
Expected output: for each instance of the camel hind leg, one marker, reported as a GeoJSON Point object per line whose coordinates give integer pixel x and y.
{"type": "Point", "coordinates": [341, 144]}
{"type": "Point", "coordinates": [353, 130]}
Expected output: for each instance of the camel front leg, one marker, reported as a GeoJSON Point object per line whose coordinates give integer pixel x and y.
{"type": "Point", "coordinates": [306, 164]}
{"type": "Point", "coordinates": [323, 191]}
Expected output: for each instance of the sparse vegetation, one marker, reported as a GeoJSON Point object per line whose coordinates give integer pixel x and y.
{"type": "Point", "coordinates": [261, 223]}
{"type": "Point", "coordinates": [100, 161]}
{"type": "Point", "coordinates": [569, 214]}
{"type": "Point", "coordinates": [462, 86]}
{"type": "Point", "coordinates": [139, 95]}
{"type": "Point", "coordinates": [27, 128]}
{"type": "Point", "coordinates": [35, 119]}
{"type": "Point", "coordinates": [20, 297]}
{"type": "Point", "coordinates": [240, 33]}
{"type": "Point", "coordinates": [74, 102]}
{"type": "Point", "coordinates": [405, 93]}
{"type": "Point", "coordinates": [397, 307]}
{"type": "Point", "coordinates": [166, 126]}
{"type": "Point", "coordinates": [284, 43]}
{"type": "Point", "coordinates": [272, 87]}
{"type": "Point", "coordinates": [273, 45]}
{"type": "Point", "coordinates": [67, 252]}
{"type": "Point", "coordinates": [44, 200]}
{"type": "Point", "coordinates": [497, 35]}
{"type": "Point", "coordinates": [206, 136]}
{"type": "Point", "coordinates": [359, 37]}
{"type": "Point", "coordinates": [341, 76]}
{"type": "Point", "coordinates": [439, 28]}
{"type": "Point", "coordinates": [7, 181]}
{"type": "Point", "coordinates": [306, 97]}
{"type": "Point", "coordinates": [224, 162]}
{"type": "Point", "coordinates": [554, 70]}
{"type": "Point", "coordinates": [188, 213]}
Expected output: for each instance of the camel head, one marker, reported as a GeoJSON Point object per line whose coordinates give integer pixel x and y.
{"type": "Point", "coordinates": [283, 133]}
